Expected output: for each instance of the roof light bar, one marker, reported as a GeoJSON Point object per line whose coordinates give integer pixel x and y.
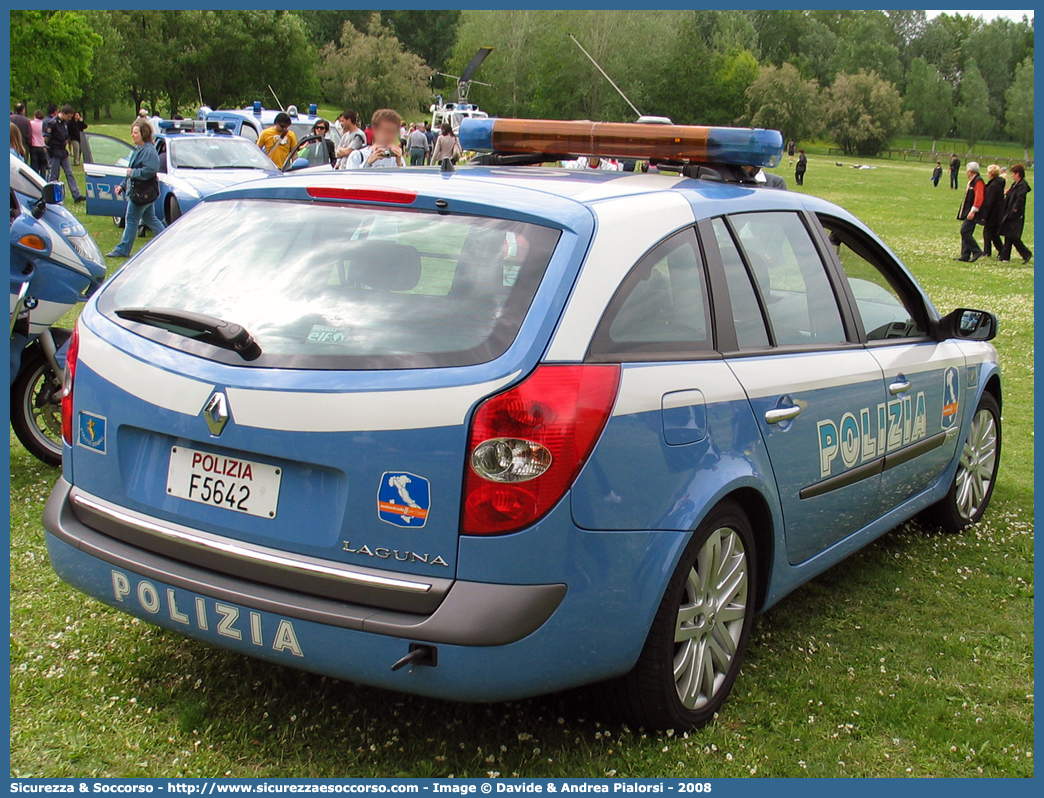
{"type": "Point", "coordinates": [725, 145]}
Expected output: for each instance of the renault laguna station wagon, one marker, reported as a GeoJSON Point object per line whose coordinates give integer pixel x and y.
{"type": "Point", "coordinates": [498, 431]}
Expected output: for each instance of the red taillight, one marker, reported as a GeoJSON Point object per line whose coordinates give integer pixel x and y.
{"type": "Point", "coordinates": [546, 426]}
{"type": "Point", "coordinates": [67, 384]}
{"type": "Point", "coordinates": [395, 195]}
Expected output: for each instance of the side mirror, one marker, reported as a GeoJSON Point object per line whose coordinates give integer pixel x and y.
{"type": "Point", "coordinates": [969, 325]}
{"type": "Point", "coordinates": [299, 163]}
{"type": "Point", "coordinates": [53, 193]}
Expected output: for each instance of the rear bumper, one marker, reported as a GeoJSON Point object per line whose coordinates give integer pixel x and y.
{"type": "Point", "coordinates": [468, 614]}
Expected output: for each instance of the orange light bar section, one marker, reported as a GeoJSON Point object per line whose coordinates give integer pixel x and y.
{"type": "Point", "coordinates": [743, 146]}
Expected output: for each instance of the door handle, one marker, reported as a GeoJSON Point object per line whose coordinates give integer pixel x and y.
{"type": "Point", "coordinates": [780, 414]}
{"type": "Point", "coordinates": [899, 386]}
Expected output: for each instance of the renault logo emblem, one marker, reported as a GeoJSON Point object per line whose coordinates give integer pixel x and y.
{"type": "Point", "coordinates": [215, 411]}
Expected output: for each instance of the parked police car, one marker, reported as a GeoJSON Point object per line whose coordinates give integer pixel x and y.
{"type": "Point", "coordinates": [195, 160]}
{"type": "Point", "coordinates": [497, 432]}
{"type": "Point", "coordinates": [252, 121]}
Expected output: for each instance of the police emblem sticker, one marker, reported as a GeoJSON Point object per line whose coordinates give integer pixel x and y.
{"type": "Point", "coordinates": [91, 431]}
{"type": "Point", "coordinates": [403, 499]}
{"type": "Point", "coordinates": [951, 397]}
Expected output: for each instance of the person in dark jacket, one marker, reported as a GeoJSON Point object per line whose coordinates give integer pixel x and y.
{"type": "Point", "coordinates": [955, 167]}
{"type": "Point", "coordinates": [937, 173]}
{"type": "Point", "coordinates": [801, 168]}
{"type": "Point", "coordinates": [56, 135]}
{"type": "Point", "coordinates": [21, 121]}
{"type": "Point", "coordinates": [973, 198]}
{"type": "Point", "coordinates": [1015, 216]}
{"type": "Point", "coordinates": [992, 210]}
{"type": "Point", "coordinates": [76, 127]}
{"type": "Point", "coordinates": [143, 165]}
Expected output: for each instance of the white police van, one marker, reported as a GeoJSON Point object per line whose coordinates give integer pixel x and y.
{"type": "Point", "coordinates": [494, 432]}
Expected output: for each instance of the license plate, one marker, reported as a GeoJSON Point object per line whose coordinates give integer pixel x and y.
{"type": "Point", "coordinates": [230, 483]}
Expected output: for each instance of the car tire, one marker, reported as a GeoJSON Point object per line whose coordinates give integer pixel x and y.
{"type": "Point", "coordinates": [36, 404]}
{"type": "Point", "coordinates": [696, 644]}
{"type": "Point", "coordinates": [173, 209]}
{"type": "Point", "coordinates": [969, 495]}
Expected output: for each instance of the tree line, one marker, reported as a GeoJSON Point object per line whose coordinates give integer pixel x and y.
{"type": "Point", "coordinates": [859, 78]}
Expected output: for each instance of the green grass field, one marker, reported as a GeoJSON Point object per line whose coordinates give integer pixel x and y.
{"type": "Point", "coordinates": [914, 657]}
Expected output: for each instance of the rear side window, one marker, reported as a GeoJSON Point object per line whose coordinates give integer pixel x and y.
{"type": "Point", "coordinates": [751, 332]}
{"type": "Point", "coordinates": [661, 308]}
{"type": "Point", "coordinates": [349, 287]}
{"type": "Point", "coordinates": [791, 278]}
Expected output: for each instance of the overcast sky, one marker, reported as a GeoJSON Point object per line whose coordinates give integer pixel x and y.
{"type": "Point", "coordinates": [987, 15]}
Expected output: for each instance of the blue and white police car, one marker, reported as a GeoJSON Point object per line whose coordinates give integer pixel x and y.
{"type": "Point", "coordinates": [252, 121]}
{"type": "Point", "coordinates": [196, 159]}
{"type": "Point", "coordinates": [495, 432]}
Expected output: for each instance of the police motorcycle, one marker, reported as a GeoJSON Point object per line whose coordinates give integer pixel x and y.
{"type": "Point", "coordinates": [55, 263]}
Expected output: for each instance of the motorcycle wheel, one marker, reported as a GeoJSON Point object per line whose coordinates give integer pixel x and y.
{"type": "Point", "coordinates": [36, 404]}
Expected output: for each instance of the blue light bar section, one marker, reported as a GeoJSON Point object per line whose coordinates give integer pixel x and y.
{"type": "Point", "coordinates": [476, 134]}
{"type": "Point", "coordinates": [745, 146]}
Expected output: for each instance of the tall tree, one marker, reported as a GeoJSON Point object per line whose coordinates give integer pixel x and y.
{"type": "Point", "coordinates": [429, 34]}
{"type": "Point", "coordinates": [372, 70]}
{"type": "Point", "coordinates": [108, 82]}
{"type": "Point", "coordinates": [974, 120]}
{"type": "Point", "coordinates": [1019, 99]}
{"type": "Point", "coordinates": [51, 55]}
{"type": "Point", "coordinates": [992, 47]}
{"type": "Point", "coordinates": [865, 42]}
{"type": "Point", "coordinates": [863, 113]}
{"type": "Point", "coordinates": [815, 55]}
{"type": "Point", "coordinates": [929, 98]}
{"type": "Point", "coordinates": [780, 99]}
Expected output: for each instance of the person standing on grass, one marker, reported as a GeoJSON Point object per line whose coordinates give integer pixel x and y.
{"type": "Point", "coordinates": [37, 150]}
{"type": "Point", "coordinates": [17, 146]}
{"type": "Point", "coordinates": [992, 210]}
{"type": "Point", "coordinates": [955, 167]}
{"type": "Point", "coordinates": [937, 174]}
{"type": "Point", "coordinates": [19, 119]}
{"type": "Point", "coordinates": [56, 135]}
{"type": "Point", "coordinates": [1015, 216]}
{"type": "Point", "coordinates": [432, 136]}
{"type": "Point", "coordinates": [801, 168]}
{"type": "Point", "coordinates": [973, 199]}
{"type": "Point", "coordinates": [790, 150]}
{"type": "Point", "coordinates": [447, 145]}
{"type": "Point", "coordinates": [76, 127]}
{"type": "Point", "coordinates": [142, 167]}
{"type": "Point", "coordinates": [417, 143]}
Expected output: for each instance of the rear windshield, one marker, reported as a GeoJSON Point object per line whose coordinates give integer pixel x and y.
{"type": "Point", "coordinates": [341, 287]}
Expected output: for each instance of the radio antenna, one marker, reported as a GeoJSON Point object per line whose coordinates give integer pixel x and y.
{"type": "Point", "coordinates": [605, 75]}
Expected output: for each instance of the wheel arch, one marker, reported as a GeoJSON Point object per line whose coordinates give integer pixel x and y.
{"type": "Point", "coordinates": [993, 387]}
{"type": "Point", "coordinates": [755, 506]}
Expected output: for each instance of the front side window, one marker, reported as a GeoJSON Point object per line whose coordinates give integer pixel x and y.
{"type": "Point", "coordinates": [335, 286]}
{"type": "Point", "coordinates": [661, 307]}
{"type": "Point", "coordinates": [107, 151]}
{"type": "Point", "coordinates": [880, 302]}
{"type": "Point", "coordinates": [791, 279]}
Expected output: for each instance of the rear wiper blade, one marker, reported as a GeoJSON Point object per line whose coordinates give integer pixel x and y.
{"type": "Point", "coordinates": [197, 326]}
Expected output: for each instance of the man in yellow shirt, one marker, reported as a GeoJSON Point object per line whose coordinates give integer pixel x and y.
{"type": "Point", "coordinates": [278, 141]}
